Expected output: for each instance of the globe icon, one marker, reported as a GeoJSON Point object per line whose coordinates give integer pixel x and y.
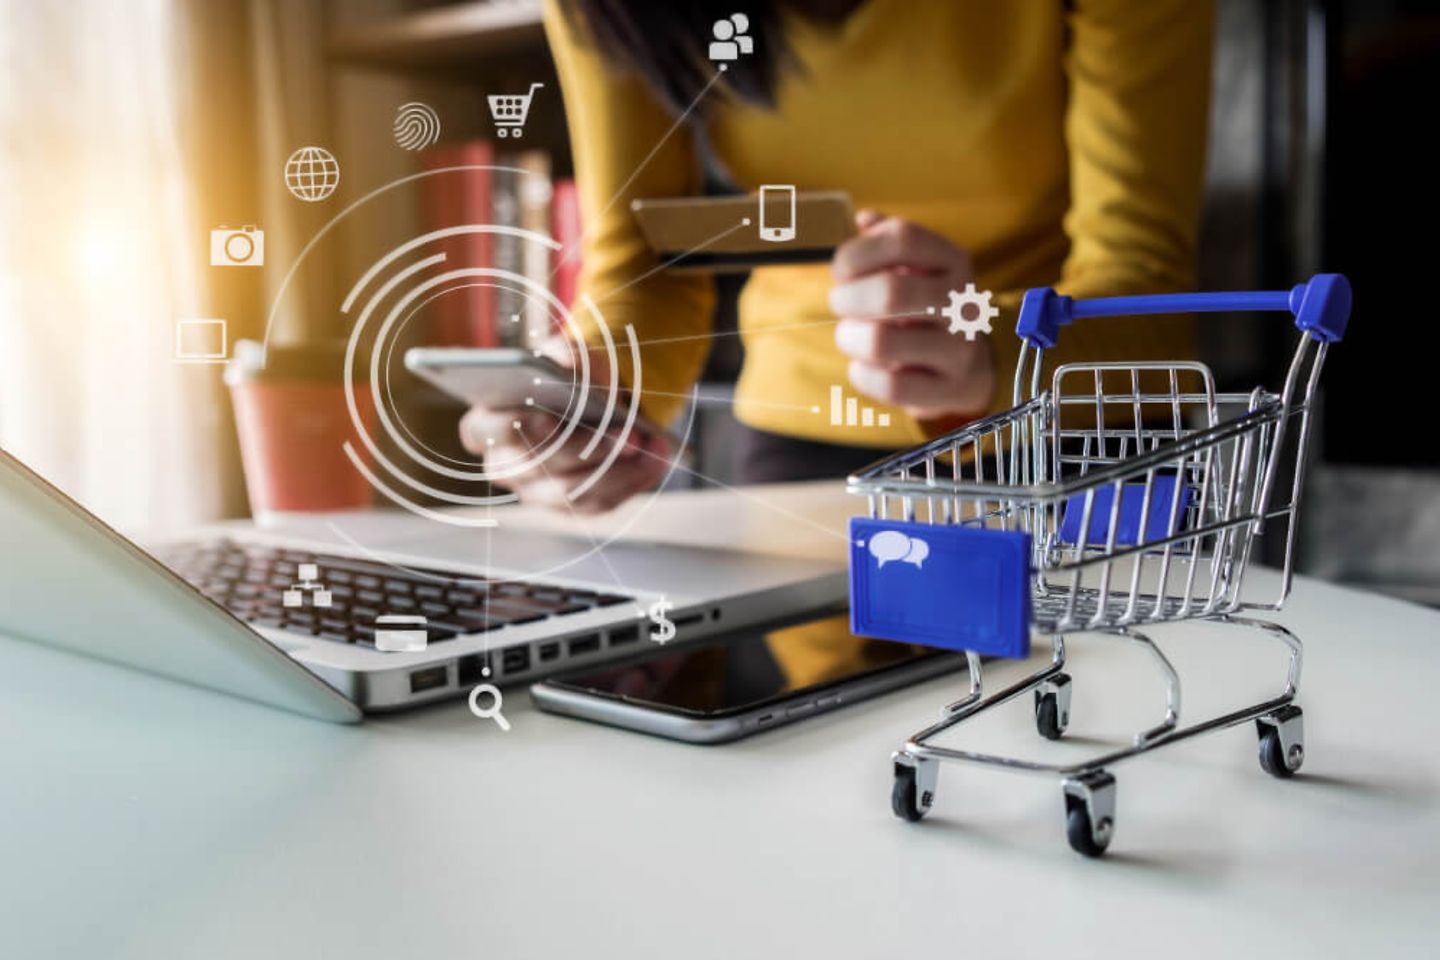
{"type": "Point", "coordinates": [312, 173]}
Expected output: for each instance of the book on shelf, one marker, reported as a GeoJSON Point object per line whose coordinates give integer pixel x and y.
{"type": "Point", "coordinates": [511, 190]}
{"type": "Point", "coordinates": [463, 317]}
{"type": "Point", "coordinates": [567, 230]}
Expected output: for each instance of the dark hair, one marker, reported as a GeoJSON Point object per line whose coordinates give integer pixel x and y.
{"type": "Point", "coordinates": [667, 43]}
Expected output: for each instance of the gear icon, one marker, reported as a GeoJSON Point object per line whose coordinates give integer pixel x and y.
{"type": "Point", "coordinates": [984, 312]}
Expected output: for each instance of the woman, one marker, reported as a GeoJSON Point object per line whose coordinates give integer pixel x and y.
{"type": "Point", "coordinates": [1030, 143]}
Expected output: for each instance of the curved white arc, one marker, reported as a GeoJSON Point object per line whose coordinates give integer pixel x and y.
{"type": "Point", "coordinates": [389, 393]}
{"type": "Point", "coordinates": [614, 383]}
{"type": "Point", "coordinates": [440, 234]}
{"type": "Point", "coordinates": [415, 508]}
{"type": "Point", "coordinates": [410, 296]}
{"type": "Point", "coordinates": [330, 225]}
{"type": "Point", "coordinates": [630, 415]}
{"type": "Point", "coordinates": [358, 422]}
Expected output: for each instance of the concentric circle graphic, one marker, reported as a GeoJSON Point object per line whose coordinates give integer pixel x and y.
{"type": "Point", "coordinates": [402, 469]}
{"type": "Point", "coordinates": [410, 284]}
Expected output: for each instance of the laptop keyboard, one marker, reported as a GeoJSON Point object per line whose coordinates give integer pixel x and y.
{"type": "Point", "coordinates": [343, 597]}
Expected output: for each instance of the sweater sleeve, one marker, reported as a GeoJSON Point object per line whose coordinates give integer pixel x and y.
{"type": "Point", "coordinates": [615, 123]}
{"type": "Point", "coordinates": [1135, 129]}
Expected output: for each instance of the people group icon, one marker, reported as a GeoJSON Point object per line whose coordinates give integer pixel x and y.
{"type": "Point", "coordinates": [732, 38]}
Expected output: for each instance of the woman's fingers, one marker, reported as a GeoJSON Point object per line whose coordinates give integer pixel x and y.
{"type": "Point", "coordinates": [482, 429]}
{"type": "Point", "coordinates": [890, 293]}
{"type": "Point", "coordinates": [924, 390]}
{"type": "Point", "coordinates": [553, 484]}
{"type": "Point", "coordinates": [890, 342]}
{"type": "Point", "coordinates": [892, 242]}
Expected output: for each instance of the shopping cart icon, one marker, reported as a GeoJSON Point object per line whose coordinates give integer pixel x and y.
{"type": "Point", "coordinates": [509, 111]}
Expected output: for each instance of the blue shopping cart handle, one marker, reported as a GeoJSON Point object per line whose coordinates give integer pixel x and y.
{"type": "Point", "coordinates": [1321, 308]}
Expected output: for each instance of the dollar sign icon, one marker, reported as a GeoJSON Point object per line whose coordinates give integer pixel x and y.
{"type": "Point", "coordinates": [664, 629]}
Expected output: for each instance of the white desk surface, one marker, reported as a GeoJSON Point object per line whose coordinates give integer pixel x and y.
{"type": "Point", "coordinates": [141, 818]}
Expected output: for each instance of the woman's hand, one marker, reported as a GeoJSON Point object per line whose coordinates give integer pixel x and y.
{"type": "Point", "coordinates": [885, 279]}
{"type": "Point", "coordinates": [640, 466]}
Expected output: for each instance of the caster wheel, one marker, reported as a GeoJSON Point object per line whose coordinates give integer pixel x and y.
{"type": "Point", "coordinates": [914, 787]}
{"type": "Point", "coordinates": [1090, 812]}
{"type": "Point", "coordinates": [1282, 741]}
{"type": "Point", "coordinates": [1052, 707]}
{"type": "Point", "coordinates": [1085, 837]}
{"type": "Point", "coordinates": [904, 796]}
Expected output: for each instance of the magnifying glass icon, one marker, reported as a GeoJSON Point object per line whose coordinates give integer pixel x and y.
{"type": "Point", "coordinates": [492, 712]}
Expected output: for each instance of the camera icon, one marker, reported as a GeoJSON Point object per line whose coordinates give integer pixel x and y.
{"type": "Point", "coordinates": [237, 248]}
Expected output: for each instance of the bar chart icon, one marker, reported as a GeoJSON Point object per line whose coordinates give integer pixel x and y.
{"type": "Point", "coordinates": [847, 412]}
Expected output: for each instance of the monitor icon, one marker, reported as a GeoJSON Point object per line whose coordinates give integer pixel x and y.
{"type": "Point", "coordinates": [777, 212]}
{"type": "Point", "coordinates": [200, 340]}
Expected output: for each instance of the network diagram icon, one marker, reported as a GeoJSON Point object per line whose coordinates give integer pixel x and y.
{"type": "Point", "coordinates": [309, 574]}
{"type": "Point", "coordinates": [979, 301]}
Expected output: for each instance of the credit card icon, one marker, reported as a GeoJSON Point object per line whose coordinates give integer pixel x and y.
{"type": "Point", "coordinates": [400, 633]}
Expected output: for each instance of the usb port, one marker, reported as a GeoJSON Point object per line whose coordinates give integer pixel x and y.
{"type": "Point", "coordinates": [467, 670]}
{"type": "Point", "coordinates": [589, 643]}
{"type": "Point", "coordinates": [515, 660]}
{"type": "Point", "coordinates": [624, 635]}
{"type": "Point", "coordinates": [689, 620]}
{"type": "Point", "coordinates": [428, 679]}
{"type": "Point", "coordinates": [548, 651]}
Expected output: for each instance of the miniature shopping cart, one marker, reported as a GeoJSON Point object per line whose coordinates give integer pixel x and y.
{"type": "Point", "coordinates": [1125, 495]}
{"type": "Point", "coordinates": [509, 111]}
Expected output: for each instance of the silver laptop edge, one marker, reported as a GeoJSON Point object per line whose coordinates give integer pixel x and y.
{"type": "Point", "coordinates": [133, 610]}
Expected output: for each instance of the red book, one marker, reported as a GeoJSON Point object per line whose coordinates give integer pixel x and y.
{"type": "Point", "coordinates": [567, 230]}
{"type": "Point", "coordinates": [464, 317]}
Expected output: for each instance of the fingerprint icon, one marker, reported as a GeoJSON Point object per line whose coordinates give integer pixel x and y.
{"type": "Point", "coordinates": [417, 126]}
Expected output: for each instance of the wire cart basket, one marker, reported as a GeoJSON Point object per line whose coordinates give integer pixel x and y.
{"type": "Point", "coordinates": [509, 110]}
{"type": "Point", "coordinates": [1123, 496]}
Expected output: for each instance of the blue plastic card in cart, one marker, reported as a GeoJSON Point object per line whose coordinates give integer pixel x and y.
{"type": "Point", "coordinates": [960, 588]}
{"type": "Point", "coordinates": [1127, 527]}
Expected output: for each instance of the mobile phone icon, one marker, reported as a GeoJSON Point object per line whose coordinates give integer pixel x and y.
{"type": "Point", "coordinates": [777, 213]}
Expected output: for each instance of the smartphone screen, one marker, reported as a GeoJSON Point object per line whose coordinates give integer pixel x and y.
{"type": "Point", "coordinates": [777, 213]}
{"type": "Point", "coordinates": [748, 670]}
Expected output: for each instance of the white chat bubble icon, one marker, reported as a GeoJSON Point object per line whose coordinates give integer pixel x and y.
{"type": "Point", "coordinates": [889, 545]}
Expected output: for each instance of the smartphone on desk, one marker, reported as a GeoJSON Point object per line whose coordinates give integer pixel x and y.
{"type": "Point", "coordinates": [718, 690]}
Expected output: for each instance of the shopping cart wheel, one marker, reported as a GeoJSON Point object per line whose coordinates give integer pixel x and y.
{"type": "Point", "coordinates": [1282, 741]}
{"type": "Point", "coordinates": [1052, 706]}
{"type": "Point", "coordinates": [1090, 812]}
{"type": "Point", "coordinates": [503, 131]}
{"type": "Point", "coordinates": [914, 789]}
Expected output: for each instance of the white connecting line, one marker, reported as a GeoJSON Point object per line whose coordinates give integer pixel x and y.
{"type": "Point", "coordinates": [569, 254]}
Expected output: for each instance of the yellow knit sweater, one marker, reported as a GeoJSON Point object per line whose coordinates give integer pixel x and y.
{"type": "Point", "coordinates": [1060, 147]}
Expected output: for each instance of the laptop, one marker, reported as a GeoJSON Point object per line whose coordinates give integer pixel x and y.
{"type": "Point", "coordinates": [302, 619]}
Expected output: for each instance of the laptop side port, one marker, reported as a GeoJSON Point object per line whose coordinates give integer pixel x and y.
{"type": "Point", "coordinates": [689, 619]}
{"type": "Point", "coordinates": [431, 678]}
{"type": "Point", "coordinates": [467, 670]}
{"type": "Point", "coordinates": [548, 651]}
{"type": "Point", "coordinates": [623, 635]}
{"type": "Point", "coordinates": [515, 660]}
{"type": "Point", "coordinates": [587, 643]}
